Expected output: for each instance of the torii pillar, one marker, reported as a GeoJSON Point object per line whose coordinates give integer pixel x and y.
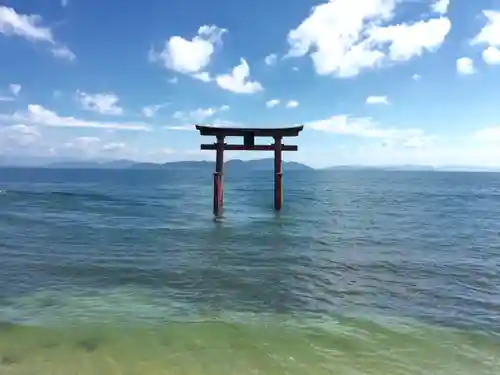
{"type": "Point", "coordinates": [248, 135]}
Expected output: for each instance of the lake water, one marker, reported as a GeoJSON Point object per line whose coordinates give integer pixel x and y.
{"type": "Point", "coordinates": [126, 272]}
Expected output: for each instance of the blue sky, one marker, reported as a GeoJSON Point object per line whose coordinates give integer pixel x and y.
{"type": "Point", "coordinates": [372, 81]}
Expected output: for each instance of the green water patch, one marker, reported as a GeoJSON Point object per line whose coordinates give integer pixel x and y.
{"type": "Point", "coordinates": [346, 346]}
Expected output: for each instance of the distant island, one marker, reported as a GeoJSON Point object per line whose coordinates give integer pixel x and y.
{"type": "Point", "coordinates": [257, 164]}
{"type": "Point", "coordinates": [235, 164]}
{"type": "Point", "coordinates": [402, 167]}
{"type": "Point", "coordinates": [413, 168]}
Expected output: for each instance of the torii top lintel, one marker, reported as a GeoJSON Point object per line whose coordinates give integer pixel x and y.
{"type": "Point", "coordinates": [256, 132]}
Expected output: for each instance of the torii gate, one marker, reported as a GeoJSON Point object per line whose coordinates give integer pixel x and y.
{"type": "Point", "coordinates": [248, 135]}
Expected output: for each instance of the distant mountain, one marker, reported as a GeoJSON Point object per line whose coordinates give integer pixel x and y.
{"type": "Point", "coordinates": [465, 168]}
{"type": "Point", "coordinates": [415, 168]}
{"type": "Point", "coordinates": [259, 164]}
{"type": "Point", "coordinates": [264, 164]}
{"type": "Point", "coordinates": [235, 164]}
{"type": "Point", "coordinates": [23, 161]}
{"type": "Point", "coordinates": [347, 168]}
{"type": "Point", "coordinates": [145, 166]}
{"type": "Point", "coordinates": [407, 168]}
{"type": "Point", "coordinates": [114, 164]}
{"type": "Point", "coordinates": [174, 165]}
{"type": "Point", "coordinates": [381, 168]}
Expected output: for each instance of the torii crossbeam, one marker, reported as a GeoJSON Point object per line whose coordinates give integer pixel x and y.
{"type": "Point", "coordinates": [248, 135]}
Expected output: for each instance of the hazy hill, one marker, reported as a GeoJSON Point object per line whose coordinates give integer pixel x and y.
{"type": "Point", "coordinates": [259, 164]}
{"type": "Point", "coordinates": [114, 164]}
{"type": "Point", "coordinates": [264, 164]}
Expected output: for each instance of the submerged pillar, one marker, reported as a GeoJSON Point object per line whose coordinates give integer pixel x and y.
{"type": "Point", "coordinates": [278, 174]}
{"type": "Point", "coordinates": [218, 198]}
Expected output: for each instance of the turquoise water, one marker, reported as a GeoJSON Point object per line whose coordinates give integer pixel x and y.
{"type": "Point", "coordinates": [125, 272]}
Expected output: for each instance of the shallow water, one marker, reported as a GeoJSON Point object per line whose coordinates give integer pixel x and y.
{"type": "Point", "coordinates": [125, 272]}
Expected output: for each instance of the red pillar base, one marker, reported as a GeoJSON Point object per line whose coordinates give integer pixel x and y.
{"type": "Point", "coordinates": [218, 194]}
{"type": "Point", "coordinates": [278, 191]}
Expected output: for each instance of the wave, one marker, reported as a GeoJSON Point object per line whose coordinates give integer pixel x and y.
{"type": "Point", "coordinates": [230, 342]}
{"type": "Point", "coordinates": [67, 196]}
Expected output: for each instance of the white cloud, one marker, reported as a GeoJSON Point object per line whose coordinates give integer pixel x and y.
{"type": "Point", "coordinates": [185, 127]}
{"type": "Point", "coordinates": [211, 32]}
{"type": "Point", "coordinates": [491, 55]}
{"type": "Point", "coordinates": [97, 148]}
{"type": "Point", "coordinates": [190, 56]}
{"type": "Point", "coordinates": [190, 127]}
{"type": "Point", "coordinates": [199, 114]}
{"type": "Point", "coordinates": [25, 129]}
{"type": "Point", "coordinates": [18, 135]}
{"type": "Point", "coordinates": [491, 134]}
{"type": "Point", "coordinates": [292, 104]}
{"type": "Point", "coordinates": [167, 151]}
{"type": "Point", "coordinates": [38, 115]}
{"type": "Point", "coordinates": [440, 6]}
{"type": "Point", "coordinates": [23, 140]}
{"type": "Point", "coordinates": [412, 152]}
{"type": "Point", "coordinates": [465, 66]}
{"type": "Point", "coordinates": [27, 26]}
{"type": "Point", "coordinates": [63, 52]}
{"type": "Point", "coordinates": [238, 81]}
{"type": "Point", "coordinates": [272, 103]}
{"type": "Point", "coordinates": [414, 142]}
{"type": "Point", "coordinates": [14, 88]}
{"type": "Point", "coordinates": [345, 37]}
{"type": "Point", "coordinates": [361, 127]}
{"type": "Point", "coordinates": [103, 103]}
{"type": "Point", "coordinates": [377, 100]}
{"type": "Point", "coordinates": [202, 114]}
{"type": "Point", "coordinates": [89, 146]}
{"type": "Point", "coordinates": [203, 76]}
{"type": "Point", "coordinates": [31, 28]}
{"type": "Point", "coordinates": [173, 80]}
{"type": "Point", "coordinates": [114, 146]}
{"type": "Point", "coordinates": [410, 40]}
{"type": "Point", "coordinates": [87, 140]}
{"type": "Point", "coordinates": [150, 110]}
{"type": "Point", "coordinates": [271, 59]}
{"type": "Point", "coordinates": [227, 123]}
{"type": "Point", "coordinates": [490, 34]}
{"type": "Point", "coordinates": [416, 77]}
{"type": "Point", "coordinates": [451, 152]}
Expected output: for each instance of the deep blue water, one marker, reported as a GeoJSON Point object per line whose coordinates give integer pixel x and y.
{"type": "Point", "coordinates": [350, 248]}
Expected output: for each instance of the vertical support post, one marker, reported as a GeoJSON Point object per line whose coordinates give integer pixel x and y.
{"type": "Point", "coordinates": [278, 174]}
{"type": "Point", "coordinates": [218, 198]}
